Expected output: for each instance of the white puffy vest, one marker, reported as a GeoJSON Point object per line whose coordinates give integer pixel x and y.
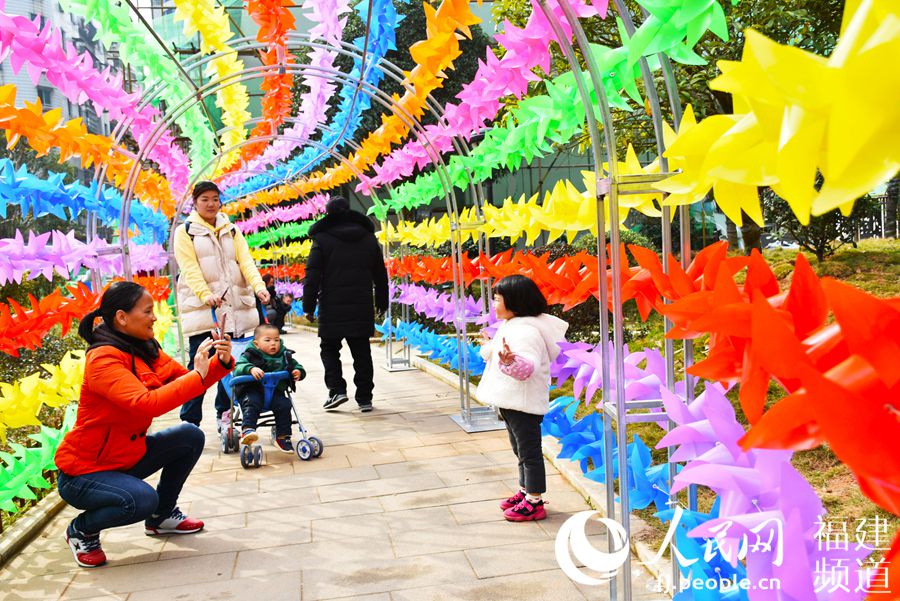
{"type": "Point", "coordinates": [216, 256]}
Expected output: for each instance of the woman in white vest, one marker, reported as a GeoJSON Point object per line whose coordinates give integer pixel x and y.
{"type": "Point", "coordinates": [216, 272]}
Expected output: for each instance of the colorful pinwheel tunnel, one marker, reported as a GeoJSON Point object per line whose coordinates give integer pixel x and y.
{"type": "Point", "coordinates": [444, 122]}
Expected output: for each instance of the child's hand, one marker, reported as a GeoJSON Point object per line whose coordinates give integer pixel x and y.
{"type": "Point", "coordinates": [506, 356]}
{"type": "Point", "coordinates": [297, 375]}
{"type": "Point", "coordinates": [257, 373]}
{"type": "Point", "coordinates": [485, 336]}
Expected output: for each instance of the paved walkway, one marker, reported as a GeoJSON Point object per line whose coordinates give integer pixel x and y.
{"type": "Point", "coordinates": [402, 506]}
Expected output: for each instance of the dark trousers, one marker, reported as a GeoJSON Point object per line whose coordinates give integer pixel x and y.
{"type": "Point", "coordinates": [363, 372]}
{"type": "Point", "coordinates": [525, 437]}
{"type": "Point", "coordinates": [252, 398]}
{"type": "Point", "coordinates": [192, 410]}
{"type": "Point", "coordinates": [114, 498]}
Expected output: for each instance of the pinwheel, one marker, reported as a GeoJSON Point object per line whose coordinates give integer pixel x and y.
{"type": "Point", "coordinates": [42, 51]}
{"type": "Point", "coordinates": [158, 287]}
{"type": "Point", "coordinates": [313, 102]}
{"type": "Point", "coordinates": [434, 304]}
{"type": "Point", "coordinates": [208, 19]}
{"type": "Point", "coordinates": [24, 468]}
{"type": "Point", "coordinates": [21, 328]}
{"type": "Point", "coordinates": [478, 101]}
{"type": "Point", "coordinates": [541, 120]}
{"type": "Point", "coordinates": [286, 272]}
{"type": "Point", "coordinates": [21, 401]}
{"type": "Point", "coordinates": [47, 130]}
{"type": "Point", "coordinates": [351, 106]}
{"type": "Point", "coordinates": [760, 494]}
{"type": "Point", "coordinates": [284, 251]}
{"type": "Point", "coordinates": [791, 127]}
{"type": "Point", "coordinates": [115, 26]}
{"type": "Point", "coordinates": [304, 210]}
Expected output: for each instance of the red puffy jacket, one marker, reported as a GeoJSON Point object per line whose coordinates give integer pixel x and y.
{"type": "Point", "coordinates": [118, 405]}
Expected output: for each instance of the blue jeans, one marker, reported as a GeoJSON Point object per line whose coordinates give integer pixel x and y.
{"type": "Point", "coordinates": [192, 410]}
{"type": "Point", "coordinates": [114, 498]}
{"type": "Point", "coordinates": [252, 400]}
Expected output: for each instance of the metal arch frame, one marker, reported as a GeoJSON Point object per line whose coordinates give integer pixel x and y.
{"type": "Point", "coordinates": [459, 144]}
{"type": "Point", "coordinates": [414, 126]}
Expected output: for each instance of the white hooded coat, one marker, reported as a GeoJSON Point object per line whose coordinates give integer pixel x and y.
{"type": "Point", "coordinates": [535, 339]}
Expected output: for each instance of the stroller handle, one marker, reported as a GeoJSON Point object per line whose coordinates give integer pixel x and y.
{"type": "Point", "coordinates": [270, 378]}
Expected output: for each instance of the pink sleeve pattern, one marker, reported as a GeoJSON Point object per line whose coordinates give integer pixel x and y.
{"type": "Point", "coordinates": [520, 369]}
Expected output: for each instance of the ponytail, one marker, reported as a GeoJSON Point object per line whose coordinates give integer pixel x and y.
{"type": "Point", "coordinates": [121, 296]}
{"type": "Point", "coordinates": [86, 326]}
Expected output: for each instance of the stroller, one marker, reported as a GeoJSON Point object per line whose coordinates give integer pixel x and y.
{"type": "Point", "coordinates": [306, 448]}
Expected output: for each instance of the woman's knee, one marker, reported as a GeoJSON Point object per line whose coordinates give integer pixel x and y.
{"type": "Point", "coordinates": [190, 435]}
{"type": "Point", "coordinates": [145, 503]}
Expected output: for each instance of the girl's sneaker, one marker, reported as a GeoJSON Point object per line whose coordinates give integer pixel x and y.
{"type": "Point", "coordinates": [512, 501]}
{"type": "Point", "coordinates": [176, 523]}
{"type": "Point", "coordinates": [284, 444]}
{"type": "Point", "coordinates": [85, 548]}
{"type": "Point", "coordinates": [249, 436]}
{"type": "Point", "coordinates": [526, 511]}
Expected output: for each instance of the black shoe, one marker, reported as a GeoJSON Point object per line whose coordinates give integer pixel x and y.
{"type": "Point", "coordinates": [335, 401]}
{"type": "Point", "coordinates": [365, 408]}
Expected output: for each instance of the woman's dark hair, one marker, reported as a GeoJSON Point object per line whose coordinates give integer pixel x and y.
{"type": "Point", "coordinates": [121, 295]}
{"type": "Point", "coordinates": [201, 187]}
{"type": "Point", "coordinates": [521, 296]}
{"type": "Point", "coordinates": [268, 278]}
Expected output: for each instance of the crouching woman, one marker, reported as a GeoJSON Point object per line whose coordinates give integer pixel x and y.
{"type": "Point", "coordinates": [104, 460]}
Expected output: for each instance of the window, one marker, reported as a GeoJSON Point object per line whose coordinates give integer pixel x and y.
{"type": "Point", "coordinates": [45, 95]}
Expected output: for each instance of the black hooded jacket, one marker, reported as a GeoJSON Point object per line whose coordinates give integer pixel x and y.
{"type": "Point", "coordinates": [343, 266]}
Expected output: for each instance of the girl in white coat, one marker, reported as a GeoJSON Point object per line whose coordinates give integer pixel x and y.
{"type": "Point", "coordinates": [517, 380]}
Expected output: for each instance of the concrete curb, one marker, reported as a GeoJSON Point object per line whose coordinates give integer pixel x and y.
{"type": "Point", "coordinates": [24, 530]}
{"type": "Point", "coordinates": [593, 492]}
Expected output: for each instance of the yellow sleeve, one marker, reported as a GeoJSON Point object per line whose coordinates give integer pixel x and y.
{"type": "Point", "coordinates": [186, 257]}
{"type": "Point", "coordinates": [246, 263]}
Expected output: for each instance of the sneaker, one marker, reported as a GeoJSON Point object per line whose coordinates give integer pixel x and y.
{"type": "Point", "coordinates": [525, 511]}
{"type": "Point", "coordinates": [512, 501]}
{"type": "Point", "coordinates": [176, 523]}
{"type": "Point", "coordinates": [85, 548]}
{"type": "Point", "coordinates": [249, 436]}
{"type": "Point", "coordinates": [284, 444]}
{"type": "Point", "coordinates": [365, 408]}
{"type": "Point", "coordinates": [336, 400]}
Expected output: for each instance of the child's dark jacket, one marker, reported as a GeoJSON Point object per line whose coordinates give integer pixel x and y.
{"type": "Point", "coordinates": [283, 360]}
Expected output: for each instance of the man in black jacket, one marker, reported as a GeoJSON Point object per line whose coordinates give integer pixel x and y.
{"type": "Point", "coordinates": [343, 266]}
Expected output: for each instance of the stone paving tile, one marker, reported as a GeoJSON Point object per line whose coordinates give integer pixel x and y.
{"type": "Point", "coordinates": [470, 536]}
{"type": "Point", "coordinates": [184, 571]}
{"type": "Point", "coordinates": [550, 585]}
{"type": "Point", "coordinates": [446, 496]}
{"type": "Point", "coordinates": [270, 587]}
{"type": "Point", "coordinates": [334, 553]}
{"type": "Point", "coordinates": [379, 575]}
{"type": "Point", "coordinates": [29, 587]}
{"type": "Point", "coordinates": [426, 466]}
{"type": "Point", "coordinates": [375, 488]}
{"type": "Point", "coordinates": [402, 506]}
{"type": "Point", "coordinates": [307, 480]}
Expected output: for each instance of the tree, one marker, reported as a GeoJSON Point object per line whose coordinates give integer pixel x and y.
{"type": "Point", "coordinates": [825, 233]}
{"type": "Point", "coordinates": [890, 208]}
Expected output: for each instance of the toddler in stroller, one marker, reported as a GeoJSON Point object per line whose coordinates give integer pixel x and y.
{"type": "Point", "coordinates": [262, 378]}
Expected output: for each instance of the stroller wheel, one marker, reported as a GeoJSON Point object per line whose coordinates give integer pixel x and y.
{"type": "Point", "coordinates": [304, 449]}
{"type": "Point", "coordinates": [226, 442]}
{"type": "Point", "coordinates": [274, 435]}
{"type": "Point", "coordinates": [246, 456]}
{"type": "Point", "coordinates": [257, 456]}
{"type": "Point", "coordinates": [235, 439]}
{"type": "Point", "coordinates": [317, 446]}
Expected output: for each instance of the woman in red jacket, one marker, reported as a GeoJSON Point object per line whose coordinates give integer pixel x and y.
{"type": "Point", "coordinates": [128, 381]}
